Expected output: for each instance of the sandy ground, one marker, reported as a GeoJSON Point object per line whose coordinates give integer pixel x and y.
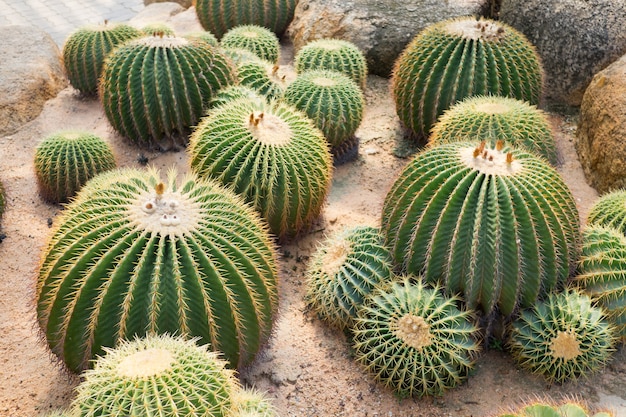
{"type": "Point", "coordinates": [307, 369]}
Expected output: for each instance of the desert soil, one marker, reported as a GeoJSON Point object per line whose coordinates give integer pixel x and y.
{"type": "Point", "coordinates": [307, 368]}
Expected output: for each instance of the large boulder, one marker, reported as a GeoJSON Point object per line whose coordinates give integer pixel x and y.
{"type": "Point", "coordinates": [601, 134]}
{"type": "Point", "coordinates": [185, 3]}
{"type": "Point", "coordinates": [575, 39]}
{"type": "Point", "coordinates": [381, 29]}
{"type": "Point", "coordinates": [156, 13]}
{"type": "Point", "coordinates": [31, 72]}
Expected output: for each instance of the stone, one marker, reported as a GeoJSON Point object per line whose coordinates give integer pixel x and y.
{"type": "Point", "coordinates": [381, 29]}
{"type": "Point", "coordinates": [156, 13]}
{"type": "Point", "coordinates": [574, 38]}
{"type": "Point", "coordinates": [185, 3]}
{"type": "Point", "coordinates": [186, 22]}
{"type": "Point", "coordinates": [31, 72]}
{"type": "Point", "coordinates": [601, 134]}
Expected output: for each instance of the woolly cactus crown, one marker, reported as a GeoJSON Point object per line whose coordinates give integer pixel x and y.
{"type": "Point", "coordinates": [256, 39]}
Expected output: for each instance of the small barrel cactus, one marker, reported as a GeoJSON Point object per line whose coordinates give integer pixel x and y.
{"type": "Point", "coordinates": [414, 340]}
{"type": "Point", "coordinates": [157, 376]}
{"type": "Point", "coordinates": [550, 409]}
{"type": "Point", "coordinates": [335, 55]}
{"type": "Point", "coordinates": [132, 255]}
{"type": "Point", "coordinates": [256, 39]}
{"type": "Point", "coordinates": [65, 161]}
{"type": "Point", "coordinates": [609, 210]}
{"type": "Point", "coordinates": [158, 29]}
{"type": "Point", "coordinates": [563, 337]}
{"type": "Point", "coordinates": [268, 79]}
{"type": "Point", "coordinates": [85, 50]}
{"type": "Point", "coordinates": [493, 118]}
{"type": "Point", "coordinates": [602, 269]}
{"type": "Point", "coordinates": [234, 92]}
{"type": "Point", "coordinates": [454, 59]}
{"type": "Point", "coordinates": [239, 55]}
{"type": "Point", "coordinates": [344, 270]}
{"type": "Point", "coordinates": [271, 154]}
{"type": "Point", "coordinates": [251, 403]}
{"type": "Point", "coordinates": [155, 88]}
{"type": "Point", "coordinates": [500, 228]}
{"type": "Point", "coordinates": [204, 36]}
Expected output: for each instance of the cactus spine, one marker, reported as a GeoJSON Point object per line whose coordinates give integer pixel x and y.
{"type": "Point", "coordinates": [256, 39]}
{"type": "Point", "coordinates": [609, 210]}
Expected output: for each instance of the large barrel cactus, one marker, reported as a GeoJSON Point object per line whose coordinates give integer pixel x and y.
{"type": "Point", "coordinates": [155, 88]}
{"type": "Point", "coordinates": [256, 39]}
{"type": "Point", "coordinates": [609, 210]}
{"type": "Point", "coordinates": [132, 255]}
{"type": "Point", "coordinates": [271, 154]}
{"type": "Point", "coordinates": [500, 228]}
{"type": "Point", "coordinates": [545, 408]}
{"type": "Point", "coordinates": [458, 58]}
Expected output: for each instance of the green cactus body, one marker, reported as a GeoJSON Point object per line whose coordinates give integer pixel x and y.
{"type": "Point", "coordinates": [132, 255]}
{"type": "Point", "coordinates": [458, 58]}
{"type": "Point", "coordinates": [204, 36]}
{"type": "Point", "coordinates": [568, 409]}
{"type": "Point", "coordinates": [251, 403]}
{"type": "Point", "coordinates": [269, 153]}
{"type": "Point", "coordinates": [335, 55]}
{"type": "Point", "coordinates": [218, 16]}
{"type": "Point", "coordinates": [239, 55]}
{"type": "Point", "coordinates": [609, 210]}
{"type": "Point", "coordinates": [65, 161]}
{"type": "Point", "coordinates": [414, 340]}
{"type": "Point", "coordinates": [563, 337]}
{"type": "Point", "coordinates": [158, 29]}
{"type": "Point", "coordinates": [86, 49]}
{"type": "Point", "coordinates": [493, 118]}
{"type": "Point", "coordinates": [157, 376]}
{"type": "Point", "coordinates": [500, 228]}
{"type": "Point", "coordinates": [256, 39]}
{"type": "Point", "coordinates": [234, 92]}
{"type": "Point", "coordinates": [268, 79]}
{"type": "Point", "coordinates": [155, 88]}
{"type": "Point", "coordinates": [603, 272]}
{"type": "Point", "coordinates": [344, 270]}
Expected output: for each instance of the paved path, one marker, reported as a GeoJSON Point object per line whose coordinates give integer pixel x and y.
{"type": "Point", "coordinates": [60, 17]}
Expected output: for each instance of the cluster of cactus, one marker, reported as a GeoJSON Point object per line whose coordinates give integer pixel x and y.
{"type": "Point", "coordinates": [547, 408]}
{"type": "Point", "coordinates": [266, 78]}
{"type": "Point", "coordinates": [86, 49]}
{"type": "Point", "coordinates": [157, 107]}
{"type": "Point", "coordinates": [609, 210]}
{"type": "Point", "coordinates": [454, 59]}
{"type": "Point", "coordinates": [65, 161]}
{"type": "Point", "coordinates": [502, 228]}
{"type": "Point", "coordinates": [188, 258]}
{"type": "Point", "coordinates": [256, 39]}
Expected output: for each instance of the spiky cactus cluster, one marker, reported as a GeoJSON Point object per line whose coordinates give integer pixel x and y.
{"type": "Point", "coordinates": [271, 154]}
{"type": "Point", "coordinates": [344, 269]}
{"type": "Point", "coordinates": [458, 58]}
{"type": "Point", "coordinates": [551, 409]}
{"type": "Point", "coordinates": [266, 78]}
{"type": "Point", "coordinates": [155, 88]}
{"type": "Point", "coordinates": [256, 39]}
{"type": "Point", "coordinates": [251, 403]}
{"type": "Point", "coordinates": [500, 228]}
{"type": "Point", "coordinates": [133, 255]}
{"type": "Point", "coordinates": [563, 337]}
{"type": "Point", "coordinates": [335, 55]}
{"type": "Point", "coordinates": [610, 210]}
{"type": "Point", "coordinates": [86, 49]}
{"type": "Point", "coordinates": [204, 36]}
{"type": "Point", "coordinates": [493, 118]}
{"type": "Point", "coordinates": [65, 161]}
{"type": "Point", "coordinates": [414, 340]}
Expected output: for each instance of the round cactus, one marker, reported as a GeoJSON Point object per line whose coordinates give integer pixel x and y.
{"type": "Point", "coordinates": [344, 270]}
{"type": "Point", "coordinates": [155, 88]}
{"type": "Point", "coordinates": [239, 55]}
{"type": "Point", "coordinates": [234, 92]}
{"type": "Point", "coordinates": [603, 272]}
{"type": "Point", "coordinates": [268, 79]}
{"type": "Point", "coordinates": [158, 29]}
{"type": "Point", "coordinates": [157, 376]}
{"type": "Point", "coordinates": [454, 59]}
{"type": "Point", "coordinates": [563, 337]}
{"type": "Point", "coordinates": [86, 49]}
{"type": "Point", "coordinates": [218, 16]}
{"type": "Point", "coordinates": [609, 210]}
{"type": "Point", "coordinates": [251, 403]}
{"type": "Point", "coordinates": [335, 55]}
{"type": "Point", "coordinates": [493, 118]}
{"type": "Point", "coordinates": [256, 39]}
{"type": "Point", "coordinates": [414, 340]}
{"type": "Point", "coordinates": [132, 255]}
{"type": "Point", "coordinates": [500, 228]}
{"type": "Point", "coordinates": [65, 161]}
{"type": "Point", "coordinates": [271, 154]}
{"type": "Point", "coordinates": [550, 409]}
{"type": "Point", "coordinates": [204, 36]}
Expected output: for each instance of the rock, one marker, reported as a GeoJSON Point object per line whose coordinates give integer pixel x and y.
{"type": "Point", "coordinates": [31, 72]}
{"type": "Point", "coordinates": [601, 134]}
{"type": "Point", "coordinates": [381, 29]}
{"type": "Point", "coordinates": [574, 38]}
{"type": "Point", "coordinates": [156, 13]}
{"type": "Point", "coordinates": [185, 3]}
{"type": "Point", "coordinates": [186, 22]}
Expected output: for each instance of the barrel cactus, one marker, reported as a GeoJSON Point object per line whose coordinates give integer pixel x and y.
{"type": "Point", "coordinates": [234, 92]}
{"type": "Point", "coordinates": [271, 154]}
{"type": "Point", "coordinates": [563, 337]}
{"type": "Point", "coordinates": [502, 228]}
{"type": "Point", "coordinates": [132, 255]}
{"type": "Point", "coordinates": [65, 161]}
{"type": "Point", "coordinates": [610, 210]}
{"type": "Point", "coordinates": [158, 29]}
{"type": "Point", "coordinates": [157, 376]}
{"type": "Point", "coordinates": [493, 118]}
{"type": "Point", "coordinates": [256, 39]}
{"type": "Point", "coordinates": [550, 409]}
{"type": "Point", "coordinates": [204, 36]}
{"type": "Point", "coordinates": [249, 402]}
{"type": "Point", "coordinates": [85, 50]}
{"type": "Point", "coordinates": [155, 88]}
{"type": "Point", "coordinates": [268, 79]}
{"type": "Point", "coordinates": [457, 58]}
{"type": "Point", "coordinates": [344, 269]}
{"type": "Point", "coordinates": [415, 340]}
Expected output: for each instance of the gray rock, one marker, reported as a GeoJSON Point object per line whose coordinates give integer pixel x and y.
{"type": "Point", "coordinates": [380, 28]}
{"type": "Point", "coordinates": [186, 22]}
{"type": "Point", "coordinates": [575, 39]}
{"type": "Point", "coordinates": [185, 3]}
{"type": "Point", "coordinates": [31, 72]}
{"type": "Point", "coordinates": [156, 13]}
